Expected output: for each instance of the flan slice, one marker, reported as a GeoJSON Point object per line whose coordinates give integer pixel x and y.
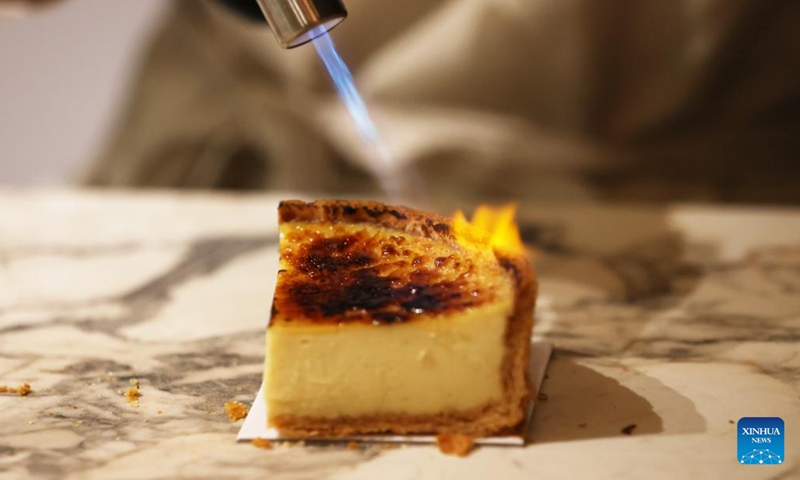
{"type": "Point", "coordinates": [391, 320]}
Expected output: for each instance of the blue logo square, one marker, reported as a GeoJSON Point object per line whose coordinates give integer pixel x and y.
{"type": "Point", "coordinates": [761, 441]}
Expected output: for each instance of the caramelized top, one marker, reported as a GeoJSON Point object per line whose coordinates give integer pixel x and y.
{"type": "Point", "coordinates": [341, 272]}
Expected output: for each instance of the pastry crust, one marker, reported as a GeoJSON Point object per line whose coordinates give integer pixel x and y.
{"type": "Point", "coordinates": [404, 219]}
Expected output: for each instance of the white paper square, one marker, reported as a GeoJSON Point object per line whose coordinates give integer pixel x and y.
{"type": "Point", "coordinates": [255, 425]}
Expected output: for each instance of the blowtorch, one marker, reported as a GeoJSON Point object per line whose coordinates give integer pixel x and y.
{"type": "Point", "coordinates": [294, 22]}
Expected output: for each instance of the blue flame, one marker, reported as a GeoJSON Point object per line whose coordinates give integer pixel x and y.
{"type": "Point", "coordinates": [346, 87]}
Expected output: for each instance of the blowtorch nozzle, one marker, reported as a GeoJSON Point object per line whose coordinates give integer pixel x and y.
{"type": "Point", "coordinates": [295, 22]}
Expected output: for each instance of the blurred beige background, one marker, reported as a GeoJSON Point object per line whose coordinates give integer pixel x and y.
{"type": "Point", "coordinates": [54, 113]}
{"type": "Point", "coordinates": [486, 100]}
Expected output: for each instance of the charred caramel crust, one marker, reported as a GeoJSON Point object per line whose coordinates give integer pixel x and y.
{"type": "Point", "coordinates": [356, 278]}
{"type": "Point", "coordinates": [399, 218]}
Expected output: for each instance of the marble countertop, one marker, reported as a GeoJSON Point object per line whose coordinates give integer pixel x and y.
{"type": "Point", "coordinates": [677, 320]}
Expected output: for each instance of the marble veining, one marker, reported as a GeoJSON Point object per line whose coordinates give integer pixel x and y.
{"type": "Point", "coordinates": [669, 325]}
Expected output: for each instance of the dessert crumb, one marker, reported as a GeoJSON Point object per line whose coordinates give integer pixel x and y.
{"type": "Point", "coordinates": [158, 412]}
{"type": "Point", "coordinates": [23, 390]}
{"type": "Point", "coordinates": [629, 429]}
{"type": "Point", "coordinates": [352, 446]}
{"type": "Point", "coordinates": [455, 444]}
{"type": "Point", "coordinates": [583, 425]}
{"type": "Point", "coordinates": [261, 443]}
{"type": "Point", "coordinates": [133, 393]}
{"type": "Point", "coordinates": [235, 410]}
{"type": "Point", "coordinates": [542, 397]}
{"type": "Point", "coordinates": [730, 421]}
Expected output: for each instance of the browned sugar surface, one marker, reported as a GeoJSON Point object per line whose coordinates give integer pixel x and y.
{"type": "Point", "coordinates": [350, 273]}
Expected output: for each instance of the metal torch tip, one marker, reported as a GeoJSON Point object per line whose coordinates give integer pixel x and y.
{"type": "Point", "coordinates": [295, 22]}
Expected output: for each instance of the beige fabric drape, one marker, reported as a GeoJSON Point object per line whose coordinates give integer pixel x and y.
{"type": "Point", "coordinates": [487, 99]}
